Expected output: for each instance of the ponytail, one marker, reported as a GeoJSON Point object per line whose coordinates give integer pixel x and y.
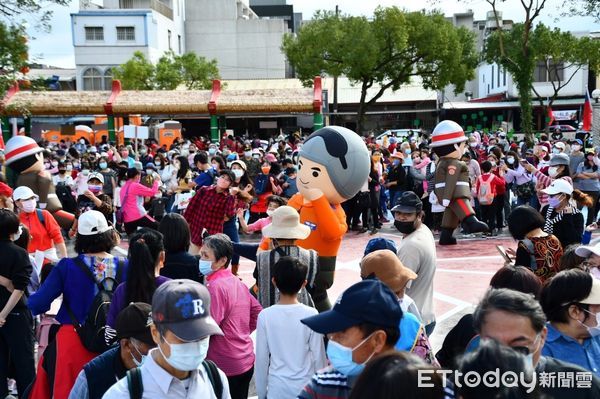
{"type": "Point", "coordinates": [582, 199]}
{"type": "Point", "coordinates": [145, 247]}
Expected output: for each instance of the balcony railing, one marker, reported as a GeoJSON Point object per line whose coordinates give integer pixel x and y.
{"type": "Point", "coordinates": [155, 5]}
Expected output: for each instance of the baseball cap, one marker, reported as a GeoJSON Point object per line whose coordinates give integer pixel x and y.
{"type": "Point", "coordinates": [5, 190]}
{"type": "Point", "coordinates": [91, 223]}
{"type": "Point", "coordinates": [586, 250]}
{"type": "Point", "coordinates": [559, 186]}
{"type": "Point", "coordinates": [96, 175]}
{"type": "Point", "coordinates": [378, 243]}
{"type": "Point", "coordinates": [24, 193]}
{"type": "Point", "coordinates": [386, 266]}
{"type": "Point", "coordinates": [577, 141]}
{"type": "Point", "coordinates": [560, 144]}
{"type": "Point", "coordinates": [183, 307]}
{"type": "Point", "coordinates": [368, 301]}
{"type": "Point", "coordinates": [594, 297]}
{"type": "Point", "coordinates": [134, 321]}
{"type": "Point", "coordinates": [408, 202]}
{"type": "Point", "coordinates": [240, 163]}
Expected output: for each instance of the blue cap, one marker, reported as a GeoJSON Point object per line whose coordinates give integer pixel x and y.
{"type": "Point", "coordinates": [368, 301]}
{"type": "Point", "coordinates": [231, 157]}
{"type": "Point", "coordinates": [378, 243]}
{"type": "Point", "coordinates": [578, 141]}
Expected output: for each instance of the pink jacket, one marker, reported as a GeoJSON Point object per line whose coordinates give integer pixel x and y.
{"type": "Point", "coordinates": [133, 205]}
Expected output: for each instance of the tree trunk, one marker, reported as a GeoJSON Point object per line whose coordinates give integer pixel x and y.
{"type": "Point", "coordinates": [360, 114]}
{"type": "Point", "coordinates": [524, 84]}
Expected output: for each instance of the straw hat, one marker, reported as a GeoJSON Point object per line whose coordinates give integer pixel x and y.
{"type": "Point", "coordinates": [286, 225]}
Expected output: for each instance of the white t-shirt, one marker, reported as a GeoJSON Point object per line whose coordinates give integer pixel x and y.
{"type": "Point", "coordinates": [288, 353]}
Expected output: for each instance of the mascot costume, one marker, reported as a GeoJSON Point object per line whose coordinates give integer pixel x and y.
{"type": "Point", "coordinates": [452, 186]}
{"type": "Point", "coordinates": [333, 165]}
{"type": "Point", "coordinates": [25, 158]}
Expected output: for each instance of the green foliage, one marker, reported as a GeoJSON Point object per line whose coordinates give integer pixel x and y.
{"type": "Point", "coordinates": [582, 8]}
{"type": "Point", "coordinates": [389, 50]}
{"type": "Point", "coordinates": [169, 72]}
{"type": "Point", "coordinates": [13, 54]}
{"type": "Point", "coordinates": [13, 10]}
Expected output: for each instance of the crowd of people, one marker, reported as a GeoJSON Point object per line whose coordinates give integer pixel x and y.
{"type": "Point", "coordinates": [169, 317]}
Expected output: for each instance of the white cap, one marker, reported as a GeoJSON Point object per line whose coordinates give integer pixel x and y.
{"type": "Point", "coordinates": [96, 175]}
{"type": "Point", "coordinates": [559, 186]}
{"type": "Point", "coordinates": [594, 296]}
{"type": "Point", "coordinates": [560, 144]}
{"type": "Point", "coordinates": [91, 223]}
{"type": "Point", "coordinates": [24, 193]}
{"type": "Point", "coordinates": [19, 147]}
{"type": "Point", "coordinates": [586, 250]}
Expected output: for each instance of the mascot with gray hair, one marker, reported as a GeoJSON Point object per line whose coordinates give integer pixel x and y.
{"type": "Point", "coordinates": [333, 165]}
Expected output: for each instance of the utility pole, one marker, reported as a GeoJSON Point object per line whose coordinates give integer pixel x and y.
{"type": "Point", "coordinates": [335, 84]}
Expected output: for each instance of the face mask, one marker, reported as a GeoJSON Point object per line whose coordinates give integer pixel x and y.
{"type": "Point", "coordinates": [188, 356]}
{"type": "Point", "coordinates": [28, 206]}
{"type": "Point", "coordinates": [157, 164]}
{"type": "Point", "coordinates": [256, 156]}
{"type": "Point", "coordinates": [265, 170]}
{"type": "Point", "coordinates": [69, 167]}
{"type": "Point", "coordinates": [149, 172]}
{"type": "Point", "coordinates": [552, 171]}
{"type": "Point", "coordinates": [54, 163]}
{"type": "Point", "coordinates": [103, 165]}
{"type": "Point", "coordinates": [75, 164]}
{"type": "Point", "coordinates": [17, 235]}
{"type": "Point", "coordinates": [82, 141]}
{"type": "Point", "coordinates": [554, 202]}
{"type": "Point", "coordinates": [138, 363]}
{"type": "Point", "coordinates": [205, 267]}
{"type": "Point", "coordinates": [595, 272]}
{"type": "Point", "coordinates": [576, 147]}
{"type": "Point", "coordinates": [407, 151]}
{"type": "Point", "coordinates": [555, 151]}
{"type": "Point", "coordinates": [493, 164]}
{"type": "Point", "coordinates": [247, 154]}
{"type": "Point", "coordinates": [417, 160]}
{"type": "Point", "coordinates": [215, 166]}
{"type": "Point", "coordinates": [341, 358]}
{"type": "Point", "coordinates": [404, 227]}
{"type": "Point", "coordinates": [593, 331]}
{"type": "Point", "coordinates": [143, 152]}
{"type": "Point", "coordinates": [238, 173]}
{"type": "Point", "coordinates": [472, 145]}
{"type": "Point", "coordinates": [510, 160]}
{"type": "Point", "coordinates": [94, 189]}
{"type": "Point", "coordinates": [270, 212]}
{"type": "Point", "coordinates": [212, 151]}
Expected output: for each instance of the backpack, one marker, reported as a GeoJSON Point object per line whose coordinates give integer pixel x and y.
{"type": "Point", "coordinates": [68, 202]}
{"type": "Point", "coordinates": [529, 247]}
{"type": "Point", "coordinates": [136, 385]}
{"type": "Point", "coordinates": [261, 184]}
{"type": "Point", "coordinates": [91, 332]}
{"type": "Point", "coordinates": [485, 194]}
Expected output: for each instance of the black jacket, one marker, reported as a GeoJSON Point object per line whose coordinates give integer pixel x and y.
{"type": "Point", "coordinates": [16, 267]}
{"type": "Point", "coordinates": [181, 265]}
{"type": "Point", "coordinates": [569, 230]}
{"type": "Point", "coordinates": [103, 372]}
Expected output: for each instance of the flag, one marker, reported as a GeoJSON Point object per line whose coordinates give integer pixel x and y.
{"type": "Point", "coordinates": [550, 116]}
{"type": "Point", "coordinates": [587, 112]}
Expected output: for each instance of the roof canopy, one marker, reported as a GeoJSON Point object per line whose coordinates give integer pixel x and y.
{"type": "Point", "coordinates": [219, 101]}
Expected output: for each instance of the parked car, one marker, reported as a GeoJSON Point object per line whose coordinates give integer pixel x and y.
{"type": "Point", "coordinates": [399, 134]}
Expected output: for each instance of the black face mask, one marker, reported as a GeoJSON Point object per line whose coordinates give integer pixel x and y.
{"type": "Point", "coordinates": [404, 227]}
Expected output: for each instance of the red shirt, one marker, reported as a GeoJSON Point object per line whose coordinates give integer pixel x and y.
{"type": "Point", "coordinates": [497, 183]}
{"type": "Point", "coordinates": [207, 210]}
{"type": "Point", "coordinates": [42, 237]}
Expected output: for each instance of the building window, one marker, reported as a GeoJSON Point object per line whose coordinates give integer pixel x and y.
{"type": "Point", "coordinates": [92, 79]}
{"type": "Point", "coordinates": [492, 77]}
{"type": "Point", "coordinates": [108, 77]}
{"type": "Point", "coordinates": [169, 38]}
{"type": "Point", "coordinates": [504, 76]}
{"type": "Point", "coordinates": [125, 33]}
{"type": "Point", "coordinates": [548, 72]}
{"type": "Point", "coordinates": [498, 77]}
{"type": "Point", "coordinates": [179, 43]}
{"type": "Point", "coordinates": [94, 33]}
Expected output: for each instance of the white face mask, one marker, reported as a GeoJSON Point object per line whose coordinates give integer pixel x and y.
{"type": "Point", "coordinates": [576, 147]}
{"type": "Point", "coordinates": [473, 145]}
{"type": "Point", "coordinates": [552, 171]}
{"type": "Point", "coordinates": [29, 205]}
{"type": "Point", "coordinates": [238, 173]}
{"type": "Point", "coordinates": [188, 356]}
{"type": "Point", "coordinates": [593, 331]}
{"type": "Point", "coordinates": [510, 160]}
{"type": "Point", "coordinates": [270, 212]}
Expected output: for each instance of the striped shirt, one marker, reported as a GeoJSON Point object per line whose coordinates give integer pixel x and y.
{"type": "Point", "coordinates": [327, 384]}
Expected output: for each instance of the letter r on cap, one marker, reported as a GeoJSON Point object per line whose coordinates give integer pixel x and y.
{"type": "Point", "coordinates": [198, 308]}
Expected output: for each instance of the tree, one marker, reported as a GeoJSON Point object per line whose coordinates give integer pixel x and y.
{"type": "Point", "coordinates": [389, 50]}
{"type": "Point", "coordinates": [13, 54]}
{"type": "Point", "coordinates": [169, 72]}
{"type": "Point", "coordinates": [582, 8]}
{"type": "Point", "coordinates": [13, 10]}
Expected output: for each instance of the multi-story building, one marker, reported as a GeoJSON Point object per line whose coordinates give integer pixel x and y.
{"type": "Point", "coordinates": [106, 35]}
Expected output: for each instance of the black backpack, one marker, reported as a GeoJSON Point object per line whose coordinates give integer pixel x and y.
{"type": "Point", "coordinates": [136, 386]}
{"type": "Point", "coordinates": [91, 332]}
{"type": "Point", "coordinates": [68, 202]}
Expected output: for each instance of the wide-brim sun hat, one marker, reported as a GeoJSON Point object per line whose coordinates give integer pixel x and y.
{"type": "Point", "coordinates": [286, 224]}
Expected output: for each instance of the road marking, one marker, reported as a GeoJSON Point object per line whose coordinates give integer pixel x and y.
{"type": "Point", "coordinates": [470, 258]}
{"type": "Point", "coordinates": [451, 313]}
{"type": "Point", "coordinates": [450, 299]}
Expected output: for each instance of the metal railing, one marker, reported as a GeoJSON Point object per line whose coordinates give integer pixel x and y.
{"type": "Point", "coordinates": [155, 5]}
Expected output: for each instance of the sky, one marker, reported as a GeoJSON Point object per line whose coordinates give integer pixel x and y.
{"type": "Point", "coordinates": [56, 49]}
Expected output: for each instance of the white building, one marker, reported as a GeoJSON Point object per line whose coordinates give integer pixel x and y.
{"type": "Point", "coordinates": [107, 35]}
{"type": "Point", "coordinates": [245, 46]}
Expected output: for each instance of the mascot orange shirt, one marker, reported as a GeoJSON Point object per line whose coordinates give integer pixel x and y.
{"type": "Point", "coordinates": [333, 165]}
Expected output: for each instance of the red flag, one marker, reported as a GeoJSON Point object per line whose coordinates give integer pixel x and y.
{"type": "Point", "coordinates": [551, 118]}
{"type": "Point", "coordinates": [587, 112]}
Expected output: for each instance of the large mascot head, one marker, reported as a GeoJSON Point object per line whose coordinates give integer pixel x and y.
{"type": "Point", "coordinates": [334, 160]}
{"type": "Point", "coordinates": [448, 140]}
{"type": "Point", "coordinates": [24, 155]}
